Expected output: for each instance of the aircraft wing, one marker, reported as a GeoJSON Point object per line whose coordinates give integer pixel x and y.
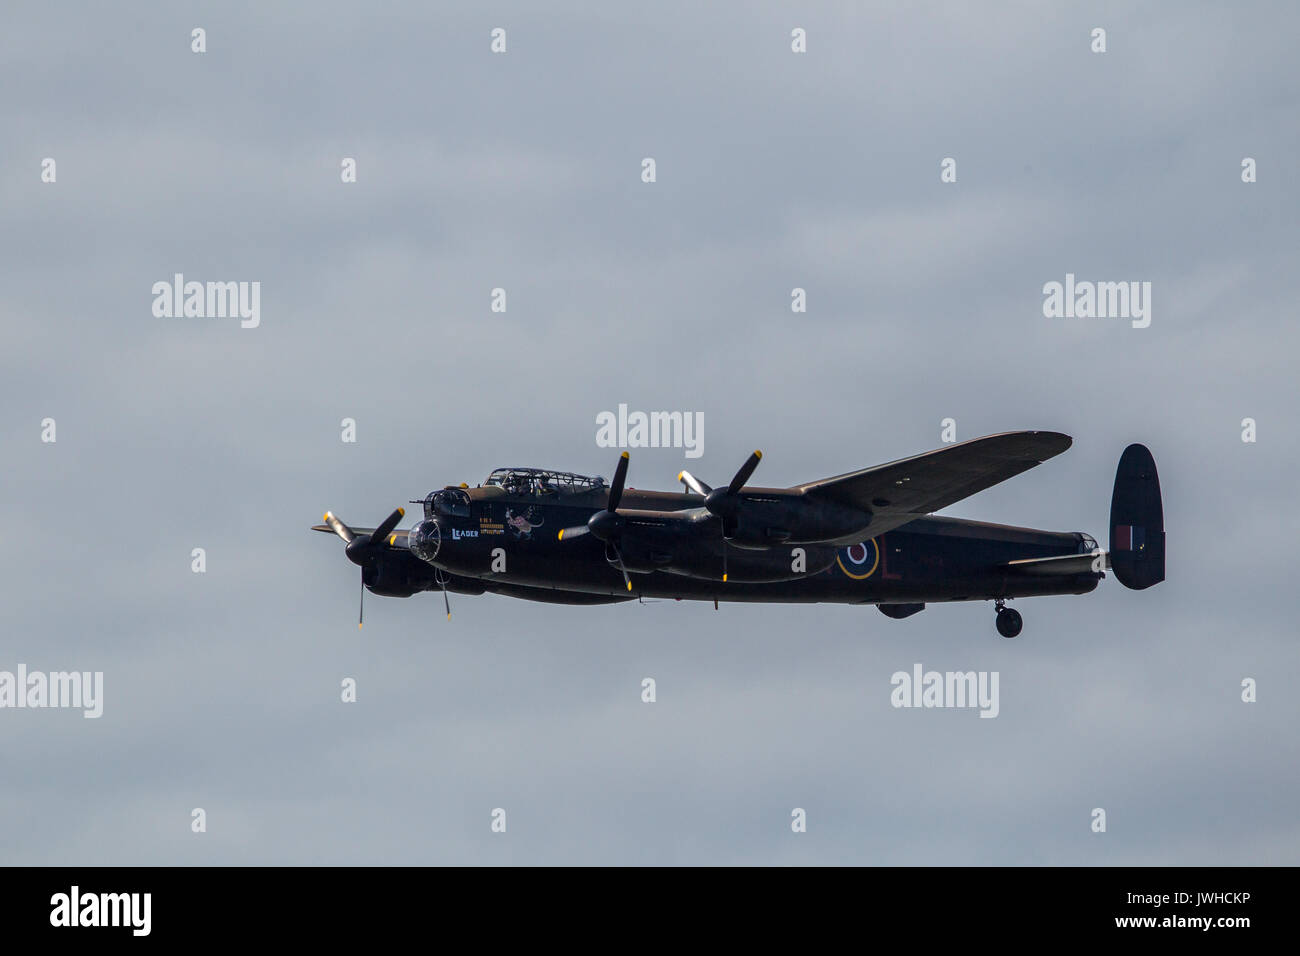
{"type": "Point", "coordinates": [902, 490]}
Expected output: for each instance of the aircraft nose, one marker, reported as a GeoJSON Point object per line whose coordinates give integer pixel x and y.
{"type": "Point", "coordinates": [425, 540]}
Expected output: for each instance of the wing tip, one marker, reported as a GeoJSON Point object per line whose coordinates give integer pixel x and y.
{"type": "Point", "coordinates": [1042, 444]}
{"type": "Point", "coordinates": [1059, 441]}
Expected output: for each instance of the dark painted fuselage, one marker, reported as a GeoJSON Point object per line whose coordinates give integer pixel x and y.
{"type": "Point", "coordinates": [509, 543]}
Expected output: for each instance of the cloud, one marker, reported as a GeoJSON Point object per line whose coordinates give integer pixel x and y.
{"type": "Point", "coordinates": [522, 172]}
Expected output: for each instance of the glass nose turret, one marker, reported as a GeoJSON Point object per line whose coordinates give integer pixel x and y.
{"type": "Point", "coordinates": [425, 540]}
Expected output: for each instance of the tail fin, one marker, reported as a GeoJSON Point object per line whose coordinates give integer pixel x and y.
{"type": "Point", "coordinates": [1137, 521]}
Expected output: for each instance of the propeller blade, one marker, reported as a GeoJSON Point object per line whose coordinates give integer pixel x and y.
{"type": "Point", "coordinates": [616, 488]}
{"type": "Point", "coordinates": [577, 532]}
{"type": "Point", "coordinates": [361, 614]}
{"type": "Point", "coordinates": [445, 602]}
{"type": "Point", "coordinates": [339, 528]}
{"type": "Point", "coordinates": [619, 555]}
{"type": "Point", "coordinates": [746, 470]}
{"type": "Point", "coordinates": [693, 483]}
{"type": "Point", "coordinates": [387, 525]}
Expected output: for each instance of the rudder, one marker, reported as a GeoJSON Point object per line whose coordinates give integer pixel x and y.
{"type": "Point", "coordinates": [1137, 521]}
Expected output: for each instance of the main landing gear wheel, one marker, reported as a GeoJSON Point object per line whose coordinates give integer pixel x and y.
{"type": "Point", "coordinates": [1009, 622]}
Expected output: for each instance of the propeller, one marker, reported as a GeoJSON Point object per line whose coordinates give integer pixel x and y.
{"type": "Point", "coordinates": [442, 581]}
{"type": "Point", "coordinates": [693, 483]}
{"type": "Point", "coordinates": [724, 503]}
{"type": "Point", "coordinates": [616, 486]}
{"type": "Point", "coordinates": [618, 558]}
{"type": "Point", "coordinates": [607, 525]}
{"type": "Point", "coordinates": [362, 548]}
{"type": "Point", "coordinates": [339, 528]}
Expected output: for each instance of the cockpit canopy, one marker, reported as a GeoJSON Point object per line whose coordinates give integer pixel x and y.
{"type": "Point", "coordinates": [539, 481]}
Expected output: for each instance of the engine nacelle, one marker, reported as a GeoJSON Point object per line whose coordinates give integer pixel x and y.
{"type": "Point", "coordinates": [646, 550]}
{"type": "Point", "coordinates": [391, 577]}
{"type": "Point", "coordinates": [765, 520]}
{"type": "Point", "coordinates": [398, 575]}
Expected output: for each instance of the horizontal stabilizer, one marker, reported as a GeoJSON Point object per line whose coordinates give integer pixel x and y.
{"type": "Point", "coordinates": [1065, 564]}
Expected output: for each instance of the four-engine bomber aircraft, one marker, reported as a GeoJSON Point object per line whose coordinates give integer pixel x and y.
{"type": "Point", "coordinates": [866, 537]}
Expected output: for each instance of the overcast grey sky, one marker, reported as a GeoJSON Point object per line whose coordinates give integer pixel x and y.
{"type": "Point", "coordinates": [775, 170]}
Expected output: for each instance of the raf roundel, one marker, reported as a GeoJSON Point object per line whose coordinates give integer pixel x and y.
{"type": "Point", "coordinates": [859, 561]}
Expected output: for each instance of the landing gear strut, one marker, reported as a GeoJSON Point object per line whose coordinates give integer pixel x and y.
{"type": "Point", "coordinates": [1009, 621]}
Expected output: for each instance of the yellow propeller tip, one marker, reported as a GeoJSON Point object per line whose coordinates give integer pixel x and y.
{"type": "Point", "coordinates": [629, 585]}
{"type": "Point", "coordinates": [392, 539]}
{"type": "Point", "coordinates": [402, 512]}
{"type": "Point", "coordinates": [624, 455]}
{"type": "Point", "coordinates": [358, 625]}
{"type": "Point", "coordinates": [757, 453]}
{"type": "Point", "coordinates": [325, 517]}
{"type": "Point", "coordinates": [560, 536]}
{"type": "Point", "coordinates": [724, 579]}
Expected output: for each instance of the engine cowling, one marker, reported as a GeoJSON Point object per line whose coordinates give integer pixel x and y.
{"type": "Point", "coordinates": [760, 520]}
{"type": "Point", "coordinates": [397, 575]}
{"type": "Point", "coordinates": [394, 577]}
